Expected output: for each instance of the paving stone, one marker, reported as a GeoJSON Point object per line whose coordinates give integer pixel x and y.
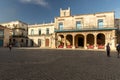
{"type": "Point", "coordinates": [57, 64]}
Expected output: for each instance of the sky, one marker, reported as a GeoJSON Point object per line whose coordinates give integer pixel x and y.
{"type": "Point", "coordinates": [44, 11]}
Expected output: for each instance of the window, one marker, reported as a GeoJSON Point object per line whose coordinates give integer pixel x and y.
{"type": "Point", "coordinates": [22, 40]}
{"type": "Point", "coordinates": [39, 42]}
{"type": "Point", "coordinates": [60, 26]}
{"type": "Point", "coordinates": [32, 32]}
{"type": "Point", "coordinates": [1, 33]}
{"type": "Point", "coordinates": [64, 13]}
{"type": "Point", "coordinates": [22, 34]}
{"type": "Point", "coordinates": [13, 33]}
{"type": "Point", "coordinates": [78, 24]}
{"type": "Point", "coordinates": [100, 23]}
{"type": "Point", "coordinates": [39, 31]}
{"type": "Point", "coordinates": [31, 42]}
{"type": "Point", "coordinates": [47, 30]}
{"type": "Point", "coordinates": [14, 40]}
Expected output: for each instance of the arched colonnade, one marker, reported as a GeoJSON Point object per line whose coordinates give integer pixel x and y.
{"type": "Point", "coordinates": [79, 40]}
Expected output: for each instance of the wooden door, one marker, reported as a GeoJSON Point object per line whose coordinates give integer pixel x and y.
{"type": "Point", "coordinates": [47, 42]}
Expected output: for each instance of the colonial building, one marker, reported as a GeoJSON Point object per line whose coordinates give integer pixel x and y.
{"type": "Point", "coordinates": [117, 25]}
{"type": "Point", "coordinates": [84, 31]}
{"type": "Point", "coordinates": [5, 34]}
{"type": "Point", "coordinates": [41, 35]}
{"type": "Point", "coordinates": [87, 31]}
{"type": "Point", "coordinates": [19, 32]}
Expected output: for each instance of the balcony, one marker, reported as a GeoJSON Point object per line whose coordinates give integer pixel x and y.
{"type": "Point", "coordinates": [85, 28]}
{"type": "Point", "coordinates": [19, 36]}
{"type": "Point", "coordinates": [18, 28]}
{"type": "Point", "coordinates": [40, 34]}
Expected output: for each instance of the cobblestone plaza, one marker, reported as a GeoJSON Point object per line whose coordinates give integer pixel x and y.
{"type": "Point", "coordinates": [58, 64]}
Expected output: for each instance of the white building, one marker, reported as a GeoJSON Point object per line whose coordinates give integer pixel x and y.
{"type": "Point", "coordinates": [19, 32]}
{"type": "Point", "coordinates": [41, 35]}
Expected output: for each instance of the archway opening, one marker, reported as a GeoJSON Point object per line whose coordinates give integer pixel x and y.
{"type": "Point", "coordinates": [90, 41]}
{"type": "Point", "coordinates": [79, 41]}
{"type": "Point", "coordinates": [60, 41]}
{"type": "Point", "coordinates": [69, 41]}
{"type": "Point", "coordinates": [101, 41]}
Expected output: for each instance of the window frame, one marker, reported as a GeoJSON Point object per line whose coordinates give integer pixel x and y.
{"type": "Point", "coordinates": [60, 25]}
{"type": "Point", "coordinates": [100, 23]}
{"type": "Point", "coordinates": [32, 31]}
{"type": "Point", "coordinates": [47, 31]}
{"type": "Point", "coordinates": [78, 25]}
{"type": "Point", "coordinates": [39, 31]}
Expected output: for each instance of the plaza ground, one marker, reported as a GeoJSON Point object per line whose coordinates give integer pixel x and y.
{"type": "Point", "coordinates": [58, 64]}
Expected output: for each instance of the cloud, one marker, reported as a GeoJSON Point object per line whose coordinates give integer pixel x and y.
{"type": "Point", "coordinates": [38, 2]}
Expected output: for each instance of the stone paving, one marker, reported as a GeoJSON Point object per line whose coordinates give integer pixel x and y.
{"type": "Point", "coordinates": [56, 64]}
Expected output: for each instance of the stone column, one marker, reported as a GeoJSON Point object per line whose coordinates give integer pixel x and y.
{"type": "Point", "coordinates": [73, 46]}
{"type": "Point", "coordinates": [113, 40]}
{"type": "Point", "coordinates": [56, 41]}
{"type": "Point", "coordinates": [85, 41]}
{"type": "Point", "coordinates": [95, 41]}
{"type": "Point", "coordinates": [64, 41]}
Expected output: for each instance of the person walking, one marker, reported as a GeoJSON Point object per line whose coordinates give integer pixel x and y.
{"type": "Point", "coordinates": [118, 50]}
{"type": "Point", "coordinates": [10, 46]}
{"type": "Point", "coordinates": [108, 49]}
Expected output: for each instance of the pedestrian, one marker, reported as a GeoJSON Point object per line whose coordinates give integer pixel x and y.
{"type": "Point", "coordinates": [118, 50]}
{"type": "Point", "coordinates": [108, 49]}
{"type": "Point", "coordinates": [10, 46]}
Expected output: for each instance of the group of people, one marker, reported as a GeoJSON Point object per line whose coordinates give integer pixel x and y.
{"type": "Point", "coordinates": [108, 49]}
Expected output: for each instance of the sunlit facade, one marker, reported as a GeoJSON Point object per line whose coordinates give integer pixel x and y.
{"type": "Point", "coordinates": [41, 35]}
{"type": "Point", "coordinates": [5, 34]}
{"type": "Point", "coordinates": [85, 31]}
{"type": "Point", "coordinates": [19, 33]}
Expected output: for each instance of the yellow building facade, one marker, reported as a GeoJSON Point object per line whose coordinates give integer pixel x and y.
{"type": "Point", "coordinates": [19, 33]}
{"type": "Point", "coordinates": [86, 31]}
{"type": "Point", "coordinates": [5, 34]}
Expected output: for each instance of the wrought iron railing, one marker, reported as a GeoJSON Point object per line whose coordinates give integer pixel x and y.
{"type": "Point", "coordinates": [86, 28]}
{"type": "Point", "coordinates": [40, 34]}
{"type": "Point", "coordinates": [20, 36]}
{"type": "Point", "coordinates": [18, 28]}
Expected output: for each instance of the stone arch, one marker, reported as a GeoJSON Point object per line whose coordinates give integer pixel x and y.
{"type": "Point", "coordinates": [60, 41]}
{"type": "Point", "coordinates": [79, 40]}
{"type": "Point", "coordinates": [100, 40]}
{"type": "Point", "coordinates": [69, 40]}
{"type": "Point", "coordinates": [90, 41]}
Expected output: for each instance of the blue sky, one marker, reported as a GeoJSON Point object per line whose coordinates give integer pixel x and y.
{"type": "Point", "coordinates": [39, 11]}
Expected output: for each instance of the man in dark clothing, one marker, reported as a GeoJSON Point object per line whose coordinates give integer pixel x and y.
{"type": "Point", "coordinates": [108, 50]}
{"type": "Point", "coordinates": [10, 46]}
{"type": "Point", "coordinates": [118, 49]}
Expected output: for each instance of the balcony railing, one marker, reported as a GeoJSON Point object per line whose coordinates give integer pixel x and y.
{"type": "Point", "coordinates": [19, 36]}
{"type": "Point", "coordinates": [18, 28]}
{"type": "Point", "coordinates": [40, 34]}
{"type": "Point", "coordinates": [85, 28]}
